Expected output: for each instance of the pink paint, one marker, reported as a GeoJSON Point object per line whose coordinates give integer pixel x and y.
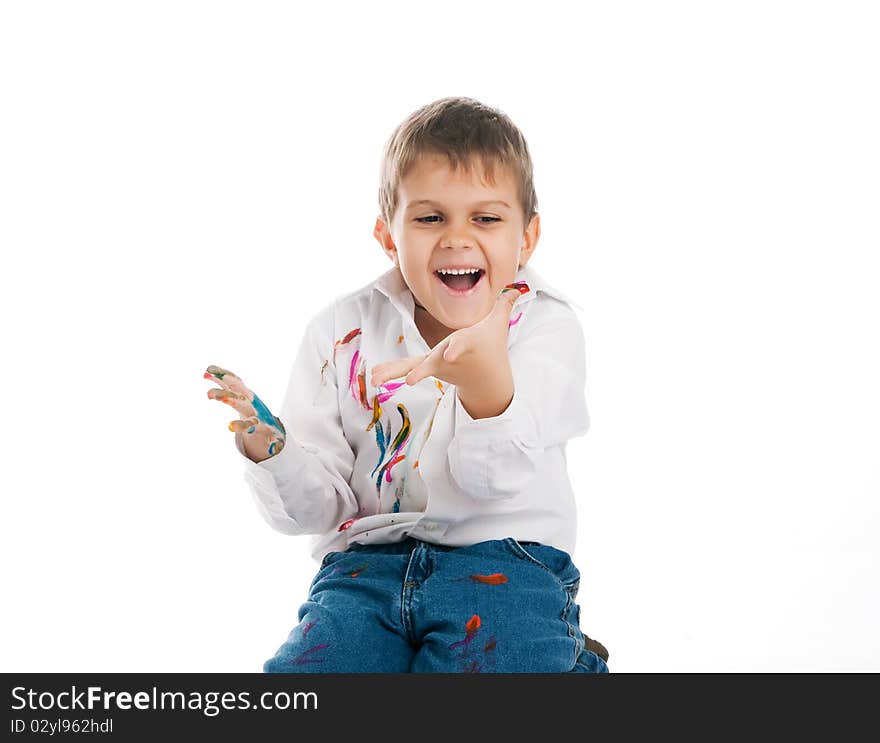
{"type": "Point", "coordinates": [352, 375]}
{"type": "Point", "coordinates": [301, 659]}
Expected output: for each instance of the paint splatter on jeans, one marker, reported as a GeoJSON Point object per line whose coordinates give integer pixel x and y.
{"type": "Point", "coordinates": [499, 606]}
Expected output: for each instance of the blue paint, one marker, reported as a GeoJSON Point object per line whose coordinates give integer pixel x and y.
{"type": "Point", "coordinates": [263, 412]}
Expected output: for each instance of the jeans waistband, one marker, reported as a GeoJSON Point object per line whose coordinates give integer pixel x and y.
{"type": "Point", "coordinates": [407, 544]}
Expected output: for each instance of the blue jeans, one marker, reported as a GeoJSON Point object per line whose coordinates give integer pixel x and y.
{"type": "Point", "coordinates": [499, 606]}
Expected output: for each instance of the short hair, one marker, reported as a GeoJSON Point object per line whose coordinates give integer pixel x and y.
{"type": "Point", "coordinates": [463, 130]}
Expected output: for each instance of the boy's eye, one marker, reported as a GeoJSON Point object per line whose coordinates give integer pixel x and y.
{"type": "Point", "coordinates": [423, 220]}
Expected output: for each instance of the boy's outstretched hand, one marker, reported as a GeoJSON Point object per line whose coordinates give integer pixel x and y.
{"type": "Point", "coordinates": [474, 359]}
{"type": "Point", "coordinates": [264, 433]}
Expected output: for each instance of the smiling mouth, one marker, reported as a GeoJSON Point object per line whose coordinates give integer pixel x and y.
{"type": "Point", "coordinates": [460, 283]}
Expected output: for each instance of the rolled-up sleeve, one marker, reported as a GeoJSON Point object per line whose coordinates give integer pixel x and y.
{"type": "Point", "coordinates": [496, 457]}
{"type": "Point", "coordinates": [304, 489]}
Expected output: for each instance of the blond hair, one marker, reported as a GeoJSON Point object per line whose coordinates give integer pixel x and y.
{"type": "Point", "coordinates": [463, 130]}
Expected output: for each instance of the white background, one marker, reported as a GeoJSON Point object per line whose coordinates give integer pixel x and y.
{"type": "Point", "coordinates": [181, 183]}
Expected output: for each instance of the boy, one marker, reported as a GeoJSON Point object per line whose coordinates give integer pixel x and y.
{"type": "Point", "coordinates": [422, 436]}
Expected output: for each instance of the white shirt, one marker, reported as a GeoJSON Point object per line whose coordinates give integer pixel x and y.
{"type": "Point", "coordinates": [425, 468]}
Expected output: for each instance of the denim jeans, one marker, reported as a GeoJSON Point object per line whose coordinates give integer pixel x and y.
{"type": "Point", "coordinates": [499, 606]}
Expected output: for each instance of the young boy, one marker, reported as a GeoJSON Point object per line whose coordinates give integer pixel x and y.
{"type": "Point", "coordinates": [422, 436]}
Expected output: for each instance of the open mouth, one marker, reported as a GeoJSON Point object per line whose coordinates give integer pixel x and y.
{"type": "Point", "coordinates": [461, 284]}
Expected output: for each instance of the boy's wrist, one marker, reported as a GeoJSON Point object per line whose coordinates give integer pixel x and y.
{"type": "Point", "coordinates": [488, 396]}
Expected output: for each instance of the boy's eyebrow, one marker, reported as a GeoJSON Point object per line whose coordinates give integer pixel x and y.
{"type": "Point", "coordinates": [437, 203]}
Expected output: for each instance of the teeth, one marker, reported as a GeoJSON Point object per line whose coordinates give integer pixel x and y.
{"type": "Point", "coordinates": [459, 271]}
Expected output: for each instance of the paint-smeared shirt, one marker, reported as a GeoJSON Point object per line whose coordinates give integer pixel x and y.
{"type": "Point", "coordinates": [365, 464]}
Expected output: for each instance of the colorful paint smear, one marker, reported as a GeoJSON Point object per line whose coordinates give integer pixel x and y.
{"type": "Point", "coordinates": [350, 573]}
{"type": "Point", "coordinates": [496, 579]}
{"type": "Point", "coordinates": [470, 629]}
{"type": "Point", "coordinates": [390, 388]}
{"type": "Point", "coordinates": [394, 456]}
{"type": "Point", "coordinates": [430, 421]}
{"type": "Point", "coordinates": [514, 321]}
{"type": "Point", "coordinates": [357, 380]}
{"type": "Point", "coordinates": [305, 656]}
{"type": "Point", "coordinates": [308, 626]}
{"type": "Point", "coordinates": [349, 337]}
{"type": "Point", "coordinates": [520, 286]}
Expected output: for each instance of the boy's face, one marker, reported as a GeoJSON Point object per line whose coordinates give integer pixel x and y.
{"type": "Point", "coordinates": [448, 218]}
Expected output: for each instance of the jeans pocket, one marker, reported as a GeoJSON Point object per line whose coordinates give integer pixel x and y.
{"type": "Point", "coordinates": [555, 561]}
{"type": "Point", "coordinates": [326, 561]}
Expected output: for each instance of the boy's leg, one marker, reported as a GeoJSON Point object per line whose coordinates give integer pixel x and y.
{"type": "Point", "coordinates": [500, 606]}
{"type": "Point", "coordinates": [351, 620]}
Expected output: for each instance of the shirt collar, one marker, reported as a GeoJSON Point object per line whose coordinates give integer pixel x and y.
{"type": "Point", "coordinates": [393, 286]}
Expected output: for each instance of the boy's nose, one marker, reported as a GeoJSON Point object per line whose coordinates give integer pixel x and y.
{"type": "Point", "coordinates": [457, 241]}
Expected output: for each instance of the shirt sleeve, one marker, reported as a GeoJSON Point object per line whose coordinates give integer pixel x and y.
{"type": "Point", "coordinates": [304, 489]}
{"type": "Point", "coordinates": [496, 457]}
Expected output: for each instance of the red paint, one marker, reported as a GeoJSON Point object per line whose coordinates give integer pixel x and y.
{"type": "Point", "coordinates": [351, 334]}
{"type": "Point", "coordinates": [521, 286]}
{"type": "Point", "coordinates": [492, 580]}
{"type": "Point", "coordinates": [473, 624]}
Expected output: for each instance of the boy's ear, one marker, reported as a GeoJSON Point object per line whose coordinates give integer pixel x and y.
{"type": "Point", "coordinates": [384, 238]}
{"type": "Point", "coordinates": [529, 240]}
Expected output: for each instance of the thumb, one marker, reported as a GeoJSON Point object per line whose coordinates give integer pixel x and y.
{"type": "Point", "coordinates": [509, 294]}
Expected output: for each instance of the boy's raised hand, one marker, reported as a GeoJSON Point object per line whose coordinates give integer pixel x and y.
{"type": "Point", "coordinates": [464, 357]}
{"type": "Point", "coordinates": [264, 433]}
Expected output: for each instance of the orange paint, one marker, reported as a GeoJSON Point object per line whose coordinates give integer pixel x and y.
{"type": "Point", "coordinates": [358, 571]}
{"type": "Point", "coordinates": [362, 389]}
{"type": "Point", "coordinates": [492, 580]}
{"type": "Point", "coordinates": [377, 412]}
{"type": "Point", "coordinates": [400, 339]}
{"type": "Point", "coordinates": [473, 624]}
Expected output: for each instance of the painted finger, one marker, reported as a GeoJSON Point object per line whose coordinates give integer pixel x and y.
{"type": "Point", "coordinates": [244, 425]}
{"type": "Point", "coordinates": [224, 395]}
{"type": "Point", "coordinates": [226, 379]}
{"type": "Point", "coordinates": [236, 400]}
{"type": "Point", "coordinates": [508, 295]}
{"type": "Point", "coordinates": [514, 290]}
{"type": "Point", "coordinates": [218, 373]}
